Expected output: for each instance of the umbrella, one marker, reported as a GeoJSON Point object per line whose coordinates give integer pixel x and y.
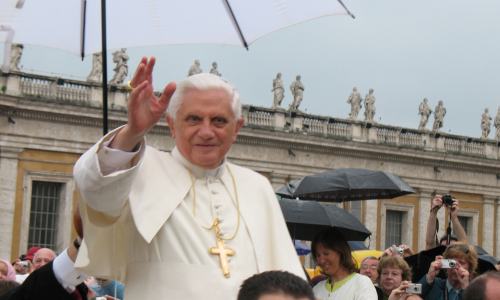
{"type": "Point", "coordinates": [85, 27]}
{"type": "Point", "coordinates": [357, 246]}
{"type": "Point", "coordinates": [362, 254]}
{"type": "Point", "coordinates": [75, 26]}
{"type": "Point", "coordinates": [305, 219]}
{"type": "Point", "coordinates": [301, 248]}
{"type": "Point", "coordinates": [347, 185]}
{"type": "Point", "coordinates": [421, 262]}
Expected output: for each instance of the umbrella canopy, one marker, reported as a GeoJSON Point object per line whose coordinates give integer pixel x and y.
{"type": "Point", "coordinates": [301, 248]}
{"type": "Point", "coordinates": [421, 262]}
{"type": "Point", "coordinates": [357, 246]}
{"type": "Point", "coordinates": [64, 24]}
{"type": "Point", "coordinates": [347, 185]}
{"type": "Point", "coordinates": [305, 219]}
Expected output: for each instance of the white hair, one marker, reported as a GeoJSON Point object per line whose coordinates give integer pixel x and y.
{"type": "Point", "coordinates": [204, 82]}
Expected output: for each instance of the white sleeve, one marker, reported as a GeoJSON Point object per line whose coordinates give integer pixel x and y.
{"type": "Point", "coordinates": [113, 160]}
{"type": "Point", "coordinates": [103, 192]}
{"type": "Point", "coordinates": [64, 272]}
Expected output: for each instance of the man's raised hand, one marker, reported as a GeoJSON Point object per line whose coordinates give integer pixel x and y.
{"type": "Point", "coordinates": [144, 108]}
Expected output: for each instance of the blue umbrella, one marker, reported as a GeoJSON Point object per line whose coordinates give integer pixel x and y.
{"type": "Point", "coordinates": [301, 248]}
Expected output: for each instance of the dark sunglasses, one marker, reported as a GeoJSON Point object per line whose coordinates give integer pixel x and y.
{"type": "Point", "coordinates": [463, 248]}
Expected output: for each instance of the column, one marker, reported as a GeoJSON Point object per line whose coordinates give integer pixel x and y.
{"type": "Point", "coordinates": [279, 119]}
{"type": "Point", "coordinates": [424, 207]}
{"type": "Point", "coordinates": [488, 222]}
{"type": "Point", "coordinates": [278, 180]}
{"type": "Point", "coordinates": [8, 182]}
{"type": "Point", "coordinates": [497, 202]}
{"type": "Point", "coordinates": [371, 219]}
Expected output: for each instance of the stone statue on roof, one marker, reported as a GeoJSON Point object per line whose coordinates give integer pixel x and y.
{"type": "Point", "coordinates": [370, 109]}
{"type": "Point", "coordinates": [214, 69]}
{"type": "Point", "coordinates": [121, 69]}
{"type": "Point", "coordinates": [485, 124]}
{"type": "Point", "coordinates": [424, 111]}
{"type": "Point", "coordinates": [195, 69]}
{"type": "Point", "coordinates": [439, 113]}
{"type": "Point", "coordinates": [297, 89]}
{"type": "Point", "coordinates": [15, 56]}
{"type": "Point", "coordinates": [355, 99]}
{"type": "Point", "coordinates": [96, 72]}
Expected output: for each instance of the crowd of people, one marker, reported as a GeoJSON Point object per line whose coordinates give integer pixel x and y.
{"type": "Point", "coordinates": [190, 225]}
{"type": "Point", "coordinates": [451, 275]}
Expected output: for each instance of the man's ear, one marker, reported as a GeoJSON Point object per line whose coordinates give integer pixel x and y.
{"type": "Point", "coordinates": [239, 124]}
{"type": "Point", "coordinates": [171, 125]}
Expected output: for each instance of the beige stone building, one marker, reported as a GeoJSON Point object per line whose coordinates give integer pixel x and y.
{"type": "Point", "coordinates": [46, 123]}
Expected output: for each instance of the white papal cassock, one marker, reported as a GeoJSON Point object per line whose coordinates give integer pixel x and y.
{"type": "Point", "coordinates": [139, 226]}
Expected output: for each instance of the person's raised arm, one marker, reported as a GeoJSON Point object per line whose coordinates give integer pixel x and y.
{"type": "Point", "coordinates": [144, 109]}
{"type": "Point", "coordinates": [430, 236]}
{"type": "Point", "coordinates": [459, 230]}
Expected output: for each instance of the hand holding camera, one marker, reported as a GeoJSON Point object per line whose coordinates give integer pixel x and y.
{"type": "Point", "coordinates": [23, 267]}
{"type": "Point", "coordinates": [405, 290]}
{"type": "Point", "coordinates": [434, 269]}
{"type": "Point", "coordinates": [401, 251]}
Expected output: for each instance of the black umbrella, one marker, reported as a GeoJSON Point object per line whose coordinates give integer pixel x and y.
{"type": "Point", "coordinates": [307, 218]}
{"type": "Point", "coordinates": [357, 246]}
{"type": "Point", "coordinates": [421, 262]}
{"type": "Point", "coordinates": [347, 185]}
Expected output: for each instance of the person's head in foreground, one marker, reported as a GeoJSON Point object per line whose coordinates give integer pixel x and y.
{"type": "Point", "coordinates": [484, 287]}
{"type": "Point", "coordinates": [444, 239]}
{"type": "Point", "coordinates": [369, 268]}
{"type": "Point", "coordinates": [7, 285]}
{"type": "Point", "coordinates": [7, 271]}
{"type": "Point", "coordinates": [43, 257]}
{"type": "Point", "coordinates": [332, 253]}
{"type": "Point", "coordinates": [465, 256]}
{"type": "Point", "coordinates": [392, 271]}
{"type": "Point", "coordinates": [204, 116]}
{"type": "Point", "coordinates": [275, 285]}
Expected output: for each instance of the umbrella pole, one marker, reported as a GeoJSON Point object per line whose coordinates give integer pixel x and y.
{"type": "Point", "coordinates": [104, 70]}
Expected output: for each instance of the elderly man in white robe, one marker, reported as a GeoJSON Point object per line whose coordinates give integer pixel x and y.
{"type": "Point", "coordinates": [186, 224]}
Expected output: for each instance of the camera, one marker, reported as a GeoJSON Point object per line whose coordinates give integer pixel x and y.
{"type": "Point", "coordinates": [448, 263]}
{"type": "Point", "coordinates": [448, 200]}
{"type": "Point", "coordinates": [398, 250]}
{"type": "Point", "coordinates": [24, 265]}
{"type": "Point", "coordinates": [414, 288]}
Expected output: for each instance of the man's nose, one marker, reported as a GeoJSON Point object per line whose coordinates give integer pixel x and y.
{"type": "Point", "coordinates": [206, 130]}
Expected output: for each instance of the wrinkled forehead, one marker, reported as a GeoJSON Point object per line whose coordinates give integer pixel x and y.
{"type": "Point", "coordinates": [370, 262]}
{"type": "Point", "coordinates": [206, 96]}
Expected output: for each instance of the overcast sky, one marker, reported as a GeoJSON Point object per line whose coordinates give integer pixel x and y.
{"type": "Point", "coordinates": [404, 50]}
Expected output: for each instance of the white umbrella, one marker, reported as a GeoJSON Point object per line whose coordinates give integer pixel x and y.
{"type": "Point", "coordinates": [75, 26]}
{"type": "Point", "coordinates": [132, 23]}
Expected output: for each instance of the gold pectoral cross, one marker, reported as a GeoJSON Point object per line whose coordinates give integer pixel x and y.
{"type": "Point", "coordinates": [223, 254]}
{"type": "Point", "coordinates": [222, 251]}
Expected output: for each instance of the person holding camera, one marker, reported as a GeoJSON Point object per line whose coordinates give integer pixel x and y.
{"type": "Point", "coordinates": [392, 272]}
{"type": "Point", "coordinates": [460, 262]}
{"type": "Point", "coordinates": [452, 208]}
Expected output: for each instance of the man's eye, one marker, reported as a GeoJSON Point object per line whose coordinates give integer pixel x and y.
{"type": "Point", "coordinates": [219, 121]}
{"type": "Point", "coordinates": [192, 118]}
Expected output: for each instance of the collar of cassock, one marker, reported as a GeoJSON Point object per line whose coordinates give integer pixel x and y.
{"type": "Point", "coordinates": [199, 172]}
